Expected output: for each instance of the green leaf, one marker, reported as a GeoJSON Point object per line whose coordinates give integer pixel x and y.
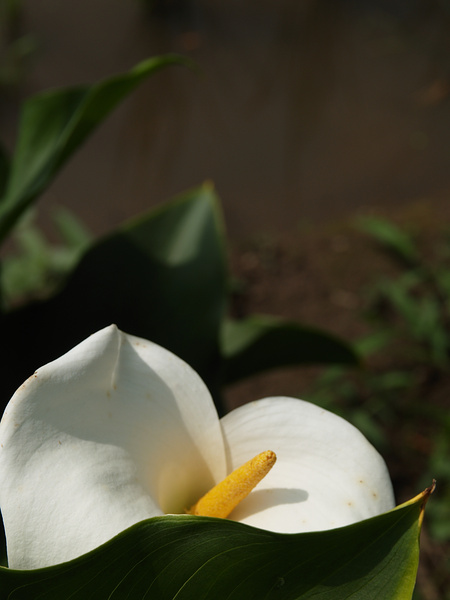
{"type": "Point", "coordinates": [25, 271]}
{"type": "Point", "coordinates": [54, 124]}
{"type": "Point", "coordinates": [162, 277]}
{"type": "Point", "coordinates": [73, 232]}
{"type": "Point", "coordinates": [259, 342]}
{"type": "Point", "coordinates": [36, 267]}
{"type": "Point", "coordinates": [374, 342]}
{"type": "Point", "coordinates": [391, 237]}
{"type": "Point", "coordinates": [186, 558]}
{"type": "Point", "coordinates": [17, 54]}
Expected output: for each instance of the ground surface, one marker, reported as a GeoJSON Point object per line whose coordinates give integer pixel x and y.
{"type": "Point", "coordinates": [322, 276]}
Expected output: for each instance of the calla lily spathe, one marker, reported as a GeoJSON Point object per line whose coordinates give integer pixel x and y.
{"type": "Point", "coordinates": [119, 430]}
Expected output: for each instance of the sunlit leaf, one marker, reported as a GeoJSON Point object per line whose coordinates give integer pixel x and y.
{"type": "Point", "coordinates": [258, 343]}
{"type": "Point", "coordinates": [191, 558]}
{"type": "Point", "coordinates": [53, 125]}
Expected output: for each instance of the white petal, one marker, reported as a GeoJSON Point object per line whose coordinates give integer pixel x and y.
{"type": "Point", "coordinates": [115, 431]}
{"type": "Point", "coordinates": [327, 474]}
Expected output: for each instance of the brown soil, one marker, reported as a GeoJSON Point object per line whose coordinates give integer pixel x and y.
{"type": "Point", "coordinates": [322, 276]}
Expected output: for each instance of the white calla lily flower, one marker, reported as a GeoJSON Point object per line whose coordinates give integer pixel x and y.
{"type": "Point", "coordinates": [119, 430]}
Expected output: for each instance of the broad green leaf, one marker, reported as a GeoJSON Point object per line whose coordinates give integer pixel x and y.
{"type": "Point", "coordinates": [162, 277]}
{"type": "Point", "coordinates": [258, 343]}
{"type": "Point", "coordinates": [391, 237]}
{"type": "Point", "coordinates": [187, 558]}
{"type": "Point", "coordinates": [54, 124]}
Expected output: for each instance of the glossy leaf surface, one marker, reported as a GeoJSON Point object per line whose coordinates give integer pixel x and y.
{"type": "Point", "coordinates": [191, 558]}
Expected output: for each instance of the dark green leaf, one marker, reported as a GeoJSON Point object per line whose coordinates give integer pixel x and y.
{"type": "Point", "coordinates": [187, 558]}
{"type": "Point", "coordinates": [162, 277]}
{"type": "Point", "coordinates": [53, 125]}
{"type": "Point", "coordinates": [258, 343]}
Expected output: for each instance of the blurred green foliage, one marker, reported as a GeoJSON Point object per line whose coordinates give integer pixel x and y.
{"type": "Point", "coordinates": [16, 49]}
{"type": "Point", "coordinates": [37, 267]}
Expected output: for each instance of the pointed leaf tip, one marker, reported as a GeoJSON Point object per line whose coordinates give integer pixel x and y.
{"type": "Point", "coordinates": [420, 499]}
{"type": "Point", "coordinates": [424, 497]}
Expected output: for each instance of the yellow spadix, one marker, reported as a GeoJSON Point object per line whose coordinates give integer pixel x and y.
{"type": "Point", "coordinates": [224, 497]}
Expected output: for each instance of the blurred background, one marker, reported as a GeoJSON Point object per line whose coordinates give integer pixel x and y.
{"type": "Point", "coordinates": [307, 115]}
{"type": "Point", "coordinates": [303, 111]}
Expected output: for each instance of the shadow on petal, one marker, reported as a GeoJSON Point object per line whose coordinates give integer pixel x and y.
{"type": "Point", "coordinates": [260, 500]}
